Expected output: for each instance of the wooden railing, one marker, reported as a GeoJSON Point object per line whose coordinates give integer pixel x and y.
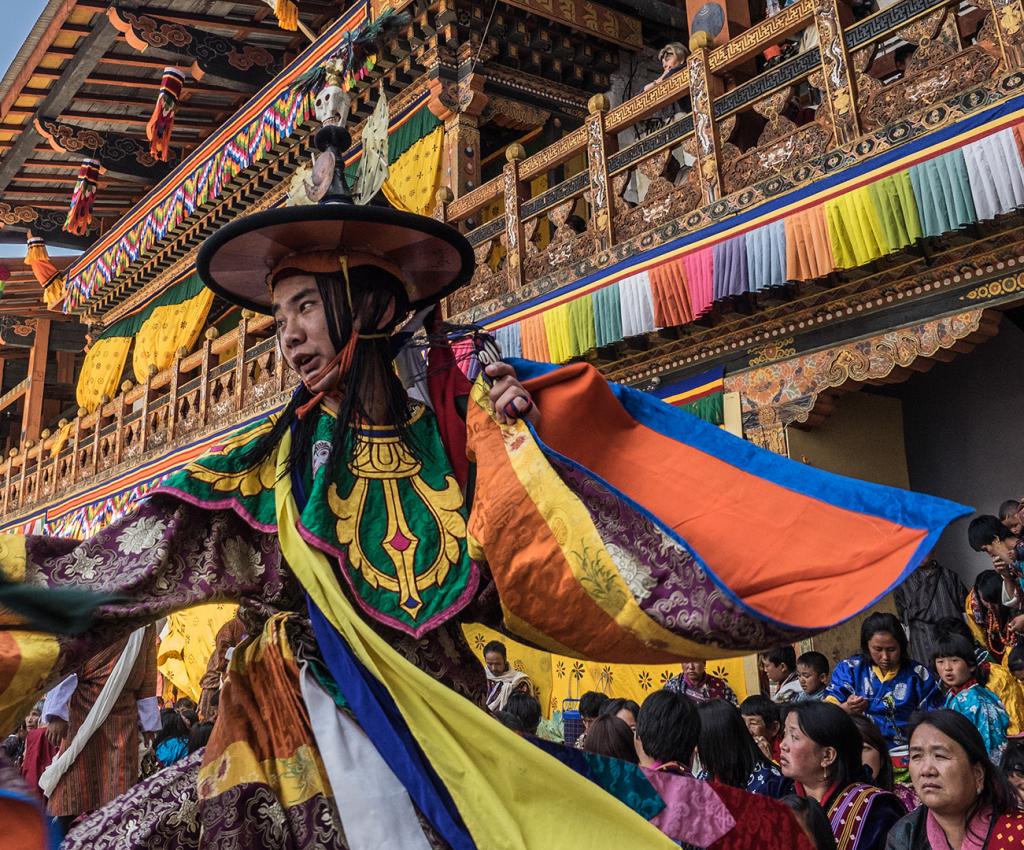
{"type": "Point", "coordinates": [817, 112]}
{"type": "Point", "coordinates": [691, 166]}
{"type": "Point", "coordinates": [225, 380]}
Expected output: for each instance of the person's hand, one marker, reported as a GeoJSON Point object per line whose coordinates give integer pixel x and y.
{"type": "Point", "coordinates": [1017, 623]}
{"type": "Point", "coordinates": [56, 729]}
{"type": "Point", "coordinates": [763, 746]}
{"type": "Point", "coordinates": [854, 704]}
{"type": "Point", "coordinates": [1000, 566]}
{"type": "Point", "coordinates": [510, 399]}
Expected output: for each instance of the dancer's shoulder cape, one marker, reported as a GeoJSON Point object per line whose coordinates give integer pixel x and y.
{"type": "Point", "coordinates": [665, 536]}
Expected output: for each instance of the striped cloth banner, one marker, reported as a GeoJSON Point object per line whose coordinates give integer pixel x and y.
{"type": "Point", "coordinates": [879, 210]}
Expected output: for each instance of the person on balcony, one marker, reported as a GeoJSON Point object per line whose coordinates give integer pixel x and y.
{"type": "Point", "coordinates": [360, 526]}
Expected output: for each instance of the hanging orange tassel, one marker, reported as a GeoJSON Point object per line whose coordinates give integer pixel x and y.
{"type": "Point", "coordinates": [160, 125]}
{"type": "Point", "coordinates": [80, 214]}
{"type": "Point", "coordinates": [37, 258]}
{"type": "Point", "coordinates": [287, 14]}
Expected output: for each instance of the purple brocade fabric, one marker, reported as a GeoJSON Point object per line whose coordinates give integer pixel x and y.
{"type": "Point", "coordinates": [161, 813]}
{"type": "Point", "coordinates": [249, 816]}
{"type": "Point", "coordinates": [664, 577]}
{"type": "Point", "coordinates": [162, 557]}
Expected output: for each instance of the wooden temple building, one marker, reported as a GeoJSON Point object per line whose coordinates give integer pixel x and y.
{"type": "Point", "coordinates": [821, 250]}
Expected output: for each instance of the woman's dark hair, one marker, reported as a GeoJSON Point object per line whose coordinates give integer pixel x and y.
{"type": "Point", "coordinates": [829, 726]}
{"type": "Point", "coordinates": [668, 726]}
{"type": "Point", "coordinates": [989, 586]}
{"type": "Point", "coordinates": [1013, 757]}
{"type": "Point", "coordinates": [957, 646]}
{"type": "Point", "coordinates": [527, 709]}
{"type": "Point", "coordinates": [996, 792]}
{"type": "Point", "coordinates": [871, 736]}
{"type": "Point", "coordinates": [199, 736]}
{"type": "Point", "coordinates": [759, 704]}
{"type": "Point", "coordinates": [172, 725]}
{"type": "Point", "coordinates": [726, 748]}
{"type": "Point", "coordinates": [611, 736]}
{"type": "Point", "coordinates": [591, 703]}
{"type": "Point", "coordinates": [884, 622]}
{"type": "Point", "coordinates": [496, 646]}
{"type": "Point", "coordinates": [986, 529]}
{"type": "Point", "coordinates": [190, 716]}
{"type": "Point", "coordinates": [813, 817]}
{"type": "Point", "coordinates": [614, 706]}
{"type": "Point", "coordinates": [510, 721]}
{"type": "Point", "coordinates": [372, 289]}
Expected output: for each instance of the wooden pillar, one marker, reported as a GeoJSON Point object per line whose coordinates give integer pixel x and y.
{"type": "Point", "coordinates": [599, 146]}
{"type": "Point", "coordinates": [32, 413]}
{"type": "Point", "coordinates": [514, 153]}
{"type": "Point", "coordinates": [204, 375]}
{"type": "Point", "coordinates": [241, 346]}
{"type": "Point", "coordinates": [65, 367]}
{"type": "Point", "coordinates": [840, 91]}
{"type": "Point", "coordinates": [704, 88]}
{"type": "Point", "coordinates": [147, 394]}
{"type": "Point", "coordinates": [459, 106]}
{"type": "Point", "coordinates": [1008, 16]}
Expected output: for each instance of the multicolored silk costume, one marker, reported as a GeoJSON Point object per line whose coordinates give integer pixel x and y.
{"type": "Point", "coordinates": [607, 533]}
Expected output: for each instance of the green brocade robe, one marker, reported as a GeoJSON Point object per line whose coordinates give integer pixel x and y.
{"type": "Point", "coordinates": [395, 522]}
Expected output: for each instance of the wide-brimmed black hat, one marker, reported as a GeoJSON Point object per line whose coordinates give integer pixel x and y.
{"type": "Point", "coordinates": [430, 258]}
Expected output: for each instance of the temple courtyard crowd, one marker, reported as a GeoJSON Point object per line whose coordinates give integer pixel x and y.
{"type": "Point", "coordinates": [913, 741]}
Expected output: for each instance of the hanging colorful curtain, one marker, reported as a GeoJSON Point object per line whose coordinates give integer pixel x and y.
{"type": "Point", "coordinates": [37, 259]}
{"type": "Point", "coordinates": [169, 322]}
{"type": "Point", "coordinates": [80, 214]}
{"type": "Point", "coordinates": [172, 321]}
{"type": "Point", "coordinates": [101, 371]}
{"type": "Point", "coordinates": [161, 123]}
{"type": "Point", "coordinates": [415, 150]}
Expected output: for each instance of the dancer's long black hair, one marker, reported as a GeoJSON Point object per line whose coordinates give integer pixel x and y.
{"type": "Point", "coordinates": [373, 290]}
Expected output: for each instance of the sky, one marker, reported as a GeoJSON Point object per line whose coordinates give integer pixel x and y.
{"type": "Point", "coordinates": [19, 16]}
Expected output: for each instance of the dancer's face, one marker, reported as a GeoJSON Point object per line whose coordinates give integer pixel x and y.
{"type": "Point", "coordinates": [302, 330]}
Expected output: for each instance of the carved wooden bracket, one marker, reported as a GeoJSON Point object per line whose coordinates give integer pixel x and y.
{"type": "Point", "coordinates": [125, 156]}
{"type": "Point", "coordinates": [212, 56]}
{"type": "Point", "coordinates": [49, 224]}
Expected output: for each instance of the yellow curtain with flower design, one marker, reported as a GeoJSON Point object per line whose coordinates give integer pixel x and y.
{"type": "Point", "coordinates": [101, 371]}
{"type": "Point", "coordinates": [168, 328]}
{"type": "Point", "coordinates": [414, 178]}
{"type": "Point", "coordinates": [188, 643]}
{"type": "Point", "coordinates": [558, 677]}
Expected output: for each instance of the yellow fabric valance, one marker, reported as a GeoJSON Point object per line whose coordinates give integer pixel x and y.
{"type": "Point", "coordinates": [167, 329]}
{"type": "Point", "coordinates": [414, 178]}
{"type": "Point", "coordinates": [101, 371]}
{"type": "Point", "coordinates": [558, 677]}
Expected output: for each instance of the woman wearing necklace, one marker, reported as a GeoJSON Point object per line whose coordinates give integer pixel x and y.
{"type": "Point", "coordinates": [967, 803]}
